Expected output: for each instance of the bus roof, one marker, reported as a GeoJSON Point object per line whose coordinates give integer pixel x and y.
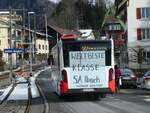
{"type": "Point", "coordinates": [69, 37]}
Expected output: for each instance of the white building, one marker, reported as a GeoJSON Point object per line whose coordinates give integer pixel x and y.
{"type": "Point", "coordinates": [41, 44]}
{"type": "Point", "coordinates": [138, 22]}
{"type": "Point", "coordinates": [4, 34]}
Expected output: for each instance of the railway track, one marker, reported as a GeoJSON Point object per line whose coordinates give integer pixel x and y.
{"type": "Point", "coordinates": [14, 106]}
{"type": "Point", "coordinates": [8, 94]}
{"type": "Point", "coordinates": [17, 106]}
{"type": "Point", "coordinates": [46, 105]}
{"type": "Point", "coordinates": [29, 100]}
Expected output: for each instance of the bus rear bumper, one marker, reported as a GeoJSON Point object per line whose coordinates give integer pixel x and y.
{"type": "Point", "coordinates": [89, 91]}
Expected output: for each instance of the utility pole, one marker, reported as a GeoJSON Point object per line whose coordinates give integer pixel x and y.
{"type": "Point", "coordinates": [30, 42]}
{"type": "Point", "coordinates": [34, 40]}
{"type": "Point", "coordinates": [10, 43]}
{"type": "Point", "coordinates": [23, 37]}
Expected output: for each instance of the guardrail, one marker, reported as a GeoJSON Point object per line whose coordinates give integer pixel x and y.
{"type": "Point", "coordinates": [4, 78]}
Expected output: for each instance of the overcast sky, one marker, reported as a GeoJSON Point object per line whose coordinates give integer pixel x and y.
{"type": "Point", "coordinates": [55, 0]}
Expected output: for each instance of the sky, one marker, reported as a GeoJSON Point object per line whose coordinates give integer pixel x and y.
{"type": "Point", "coordinates": [55, 1]}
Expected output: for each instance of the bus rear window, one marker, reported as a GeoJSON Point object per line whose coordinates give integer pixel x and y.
{"type": "Point", "coordinates": [84, 51]}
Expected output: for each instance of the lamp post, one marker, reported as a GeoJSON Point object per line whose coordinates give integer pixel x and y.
{"type": "Point", "coordinates": [30, 42]}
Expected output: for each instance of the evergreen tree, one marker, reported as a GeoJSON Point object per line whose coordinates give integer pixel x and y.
{"type": "Point", "coordinates": [79, 14]}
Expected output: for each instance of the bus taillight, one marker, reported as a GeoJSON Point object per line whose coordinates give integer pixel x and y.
{"type": "Point", "coordinates": [110, 74]}
{"type": "Point", "coordinates": [64, 76]}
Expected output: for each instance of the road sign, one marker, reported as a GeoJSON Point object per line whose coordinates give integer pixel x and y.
{"type": "Point", "coordinates": [14, 50]}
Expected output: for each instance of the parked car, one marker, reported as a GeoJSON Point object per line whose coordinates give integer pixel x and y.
{"type": "Point", "coordinates": [128, 78]}
{"type": "Point", "coordinates": [145, 80]}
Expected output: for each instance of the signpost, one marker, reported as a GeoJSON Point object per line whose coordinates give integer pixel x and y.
{"type": "Point", "coordinates": [14, 50]}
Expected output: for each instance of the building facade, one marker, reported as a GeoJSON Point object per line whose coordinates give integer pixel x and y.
{"type": "Point", "coordinates": [20, 39]}
{"type": "Point", "coordinates": [5, 35]}
{"type": "Point", "coordinates": [138, 21]}
{"type": "Point", "coordinates": [114, 30]}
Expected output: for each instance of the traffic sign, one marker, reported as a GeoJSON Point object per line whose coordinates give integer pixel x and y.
{"type": "Point", "coordinates": [14, 50]}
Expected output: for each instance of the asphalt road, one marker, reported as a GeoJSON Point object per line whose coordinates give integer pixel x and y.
{"type": "Point", "coordinates": [126, 101]}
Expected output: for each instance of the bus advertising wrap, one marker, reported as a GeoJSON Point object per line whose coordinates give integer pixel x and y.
{"type": "Point", "coordinates": [87, 69]}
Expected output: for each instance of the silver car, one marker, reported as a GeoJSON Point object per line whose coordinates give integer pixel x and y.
{"type": "Point", "coordinates": [145, 80]}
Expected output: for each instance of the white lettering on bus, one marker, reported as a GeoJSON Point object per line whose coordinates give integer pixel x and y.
{"type": "Point", "coordinates": [87, 67]}
{"type": "Point", "coordinates": [78, 56]}
{"type": "Point", "coordinates": [91, 80]}
{"type": "Point", "coordinates": [79, 79]}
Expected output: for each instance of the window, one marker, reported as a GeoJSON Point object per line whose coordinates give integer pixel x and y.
{"type": "Point", "coordinates": [46, 47]}
{"type": "Point", "coordinates": [39, 46]}
{"type": "Point", "coordinates": [83, 46]}
{"type": "Point", "coordinates": [114, 27]}
{"type": "Point", "coordinates": [43, 46]}
{"type": "Point", "coordinates": [143, 34]}
{"type": "Point", "coordinates": [118, 27]}
{"type": "Point", "coordinates": [146, 56]}
{"type": "Point", "coordinates": [143, 13]}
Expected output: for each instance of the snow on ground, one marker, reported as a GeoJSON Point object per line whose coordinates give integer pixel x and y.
{"type": "Point", "coordinates": [21, 90]}
{"type": "Point", "coordinates": [5, 92]}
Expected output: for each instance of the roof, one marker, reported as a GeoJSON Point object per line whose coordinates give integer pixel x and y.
{"type": "Point", "coordinates": [63, 31]}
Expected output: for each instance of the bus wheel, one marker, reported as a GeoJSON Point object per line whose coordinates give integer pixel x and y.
{"type": "Point", "coordinates": [96, 96]}
{"type": "Point", "coordinates": [61, 97]}
{"type": "Point", "coordinates": [103, 95]}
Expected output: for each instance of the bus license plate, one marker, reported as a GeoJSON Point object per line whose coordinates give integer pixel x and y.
{"type": "Point", "coordinates": [88, 90]}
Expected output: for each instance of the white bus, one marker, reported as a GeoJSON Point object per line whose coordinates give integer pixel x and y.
{"type": "Point", "coordinates": [83, 66]}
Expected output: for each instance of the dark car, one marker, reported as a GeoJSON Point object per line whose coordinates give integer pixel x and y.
{"type": "Point", "coordinates": [128, 78]}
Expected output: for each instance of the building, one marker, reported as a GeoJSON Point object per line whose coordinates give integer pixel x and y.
{"type": "Point", "coordinates": [114, 30]}
{"type": "Point", "coordinates": [20, 39]}
{"type": "Point", "coordinates": [138, 17]}
{"type": "Point", "coordinates": [57, 33]}
{"type": "Point", "coordinates": [113, 27]}
{"type": "Point", "coordinates": [5, 33]}
{"type": "Point", "coordinates": [41, 46]}
{"type": "Point", "coordinates": [121, 13]}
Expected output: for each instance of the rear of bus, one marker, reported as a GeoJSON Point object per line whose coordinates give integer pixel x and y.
{"type": "Point", "coordinates": [88, 67]}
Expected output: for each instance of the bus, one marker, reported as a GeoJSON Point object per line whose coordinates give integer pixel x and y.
{"type": "Point", "coordinates": [83, 66]}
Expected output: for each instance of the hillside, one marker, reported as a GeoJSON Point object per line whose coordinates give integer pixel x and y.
{"type": "Point", "coordinates": [38, 6]}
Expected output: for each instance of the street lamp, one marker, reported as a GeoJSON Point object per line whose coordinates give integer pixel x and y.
{"type": "Point", "coordinates": [30, 42]}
